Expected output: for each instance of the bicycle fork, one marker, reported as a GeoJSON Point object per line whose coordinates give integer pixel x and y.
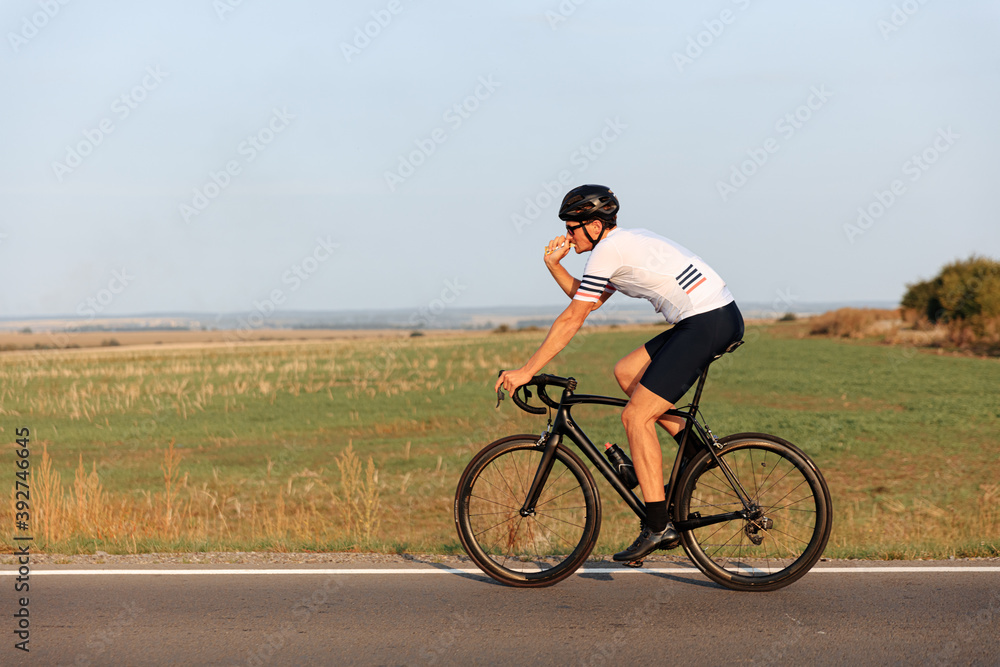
{"type": "Point", "coordinates": [551, 442]}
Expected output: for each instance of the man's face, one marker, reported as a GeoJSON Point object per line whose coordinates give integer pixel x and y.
{"type": "Point", "coordinates": [574, 232]}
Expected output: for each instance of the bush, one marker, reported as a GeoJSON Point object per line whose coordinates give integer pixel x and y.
{"type": "Point", "coordinates": [965, 296]}
{"type": "Point", "coordinates": [963, 290]}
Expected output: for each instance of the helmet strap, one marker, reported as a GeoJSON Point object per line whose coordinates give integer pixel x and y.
{"type": "Point", "coordinates": [593, 242]}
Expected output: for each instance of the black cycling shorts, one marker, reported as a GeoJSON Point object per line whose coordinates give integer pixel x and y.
{"type": "Point", "coordinates": [680, 354]}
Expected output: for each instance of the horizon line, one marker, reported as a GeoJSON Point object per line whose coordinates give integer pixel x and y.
{"type": "Point", "coordinates": [794, 306]}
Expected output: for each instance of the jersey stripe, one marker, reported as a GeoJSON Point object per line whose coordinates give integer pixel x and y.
{"type": "Point", "coordinates": [591, 288]}
{"type": "Point", "coordinates": [691, 289]}
{"type": "Point", "coordinates": [690, 280]}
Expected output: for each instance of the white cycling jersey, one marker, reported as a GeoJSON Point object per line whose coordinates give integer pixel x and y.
{"type": "Point", "coordinates": [639, 263]}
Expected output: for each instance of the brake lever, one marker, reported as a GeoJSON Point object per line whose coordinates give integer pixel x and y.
{"type": "Point", "coordinates": [500, 396]}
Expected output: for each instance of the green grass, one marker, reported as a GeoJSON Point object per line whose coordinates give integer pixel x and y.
{"type": "Point", "coordinates": [907, 441]}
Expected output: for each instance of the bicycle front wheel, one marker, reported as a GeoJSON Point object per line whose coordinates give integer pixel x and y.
{"type": "Point", "coordinates": [788, 528]}
{"type": "Point", "coordinates": [544, 547]}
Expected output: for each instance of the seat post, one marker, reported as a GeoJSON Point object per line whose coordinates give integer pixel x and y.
{"type": "Point", "coordinates": [701, 385]}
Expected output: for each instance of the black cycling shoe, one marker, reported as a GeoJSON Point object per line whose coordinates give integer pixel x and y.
{"type": "Point", "coordinates": [667, 545]}
{"type": "Point", "coordinates": [647, 543]}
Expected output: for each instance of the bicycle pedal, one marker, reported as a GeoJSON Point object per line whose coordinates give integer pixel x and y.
{"type": "Point", "coordinates": [634, 563]}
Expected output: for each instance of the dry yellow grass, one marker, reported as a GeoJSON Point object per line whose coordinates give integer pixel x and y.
{"type": "Point", "coordinates": [979, 335]}
{"type": "Point", "coordinates": [84, 511]}
{"type": "Point", "coordinates": [165, 339]}
{"type": "Point", "coordinates": [855, 322]}
{"type": "Point", "coordinates": [918, 522]}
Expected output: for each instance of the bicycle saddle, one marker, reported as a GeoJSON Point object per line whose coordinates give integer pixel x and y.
{"type": "Point", "coordinates": [731, 348]}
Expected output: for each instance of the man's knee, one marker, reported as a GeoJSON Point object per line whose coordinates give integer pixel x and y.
{"type": "Point", "coordinates": [622, 373]}
{"type": "Point", "coordinates": [628, 419]}
{"type": "Point", "coordinates": [630, 368]}
{"type": "Point", "coordinates": [634, 417]}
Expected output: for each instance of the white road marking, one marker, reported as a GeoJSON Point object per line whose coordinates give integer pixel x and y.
{"type": "Point", "coordinates": [452, 570]}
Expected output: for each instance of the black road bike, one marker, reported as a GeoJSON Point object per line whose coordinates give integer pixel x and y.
{"type": "Point", "coordinates": [753, 511]}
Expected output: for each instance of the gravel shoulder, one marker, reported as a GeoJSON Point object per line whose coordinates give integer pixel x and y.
{"type": "Point", "coordinates": [380, 560]}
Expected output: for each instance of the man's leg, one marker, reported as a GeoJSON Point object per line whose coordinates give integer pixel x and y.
{"type": "Point", "coordinates": [628, 372]}
{"type": "Point", "coordinates": [640, 417]}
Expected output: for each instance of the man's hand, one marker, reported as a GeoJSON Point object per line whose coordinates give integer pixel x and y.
{"type": "Point", "coordinates": [556, 249]}
{"type": "Point", "coordinates": [511, 380]}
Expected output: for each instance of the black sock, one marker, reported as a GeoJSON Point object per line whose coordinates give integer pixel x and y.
{"type": "Point", "coordinates": [656, 515]}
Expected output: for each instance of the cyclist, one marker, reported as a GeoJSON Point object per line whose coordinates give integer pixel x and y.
{"type": "Point", "coordinates": [682, 288]}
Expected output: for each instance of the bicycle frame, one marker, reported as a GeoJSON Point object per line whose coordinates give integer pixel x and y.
{"type": "Point", "coordinates": [563, 425]}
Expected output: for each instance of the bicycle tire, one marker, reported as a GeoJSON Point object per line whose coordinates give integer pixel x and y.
{"type": "Point", "coordinates": [537, 550]}
{"type": "Point", "coordinates": [787, 539]}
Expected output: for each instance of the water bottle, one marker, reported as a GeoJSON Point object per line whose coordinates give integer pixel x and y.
{"type": "Point", "coordinates": [622, 465]}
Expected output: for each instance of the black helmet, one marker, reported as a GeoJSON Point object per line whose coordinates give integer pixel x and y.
{"type": "Point", "coordinates": [590, 202]}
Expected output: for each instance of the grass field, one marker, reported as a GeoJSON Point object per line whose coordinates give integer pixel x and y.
{"type": "Point", "coordinates": [358, 443]}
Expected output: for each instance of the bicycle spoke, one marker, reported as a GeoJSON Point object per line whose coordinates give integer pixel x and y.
{"type": "Point", "coordinates": [767, 477]}
{"type": "Point", "coordinates": [788, 493]}
{"type": "Point", "coordinates": [789, 507]}
{"type": "Point", "coordinates": [556, 533]}
{"type": "Point", "coordinates": [510, 474]}
{"type": "Point", "coordinates": [510, 542]}
{"type": "Point", "coordinates": [554, 482]}
{"type": "Point", "coordinates": [716, 506]}
{"type": "Point", "coordinates": [492, 548]}
{"type": "Point", "coordinates": [555, 518]}
{"type": "Point", "coordinates": [772, 532]}
{"type": "Point", "coordinates": [570, 490]}
{"type": "Point", "coordinates": [728, 489]}
{"type": "Point", "coordinates": [495, 502]}
{"type": "Point", "coordinates": [778, 481]}
{"type": "Point", "coordinates": [495, 472]}
{"type": "Point", "coordinates": [807, 525]}
{"type": "Point", "coordinates": [756, 487]}
{"type": "Point", "coordinates": [494, 526]}
{"type": "Point", "coordinates": [720, 546]}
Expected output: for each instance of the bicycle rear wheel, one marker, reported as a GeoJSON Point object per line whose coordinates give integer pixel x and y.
{"type": "Point", "coordinates": [528, 551]}
{"type": "Point", "coordinates": [790, 526]}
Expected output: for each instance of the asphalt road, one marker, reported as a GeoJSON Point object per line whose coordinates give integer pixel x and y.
{"type": "Point", "coordinates": [429, 616]}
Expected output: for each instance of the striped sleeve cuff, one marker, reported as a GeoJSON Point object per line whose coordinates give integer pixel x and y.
{"type": "Point", "coordinates": [591, 288]}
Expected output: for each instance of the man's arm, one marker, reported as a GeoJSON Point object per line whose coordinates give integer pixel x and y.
{"type": "Point", "coordinates": [558, 248]}
{"type": "Point", "coordinates": [566, 282]}
{"type": "Point", "coordinates": [559, 336]}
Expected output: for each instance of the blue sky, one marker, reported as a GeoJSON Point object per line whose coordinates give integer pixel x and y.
{"type": "Point", "coordinates": [206, 156]}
